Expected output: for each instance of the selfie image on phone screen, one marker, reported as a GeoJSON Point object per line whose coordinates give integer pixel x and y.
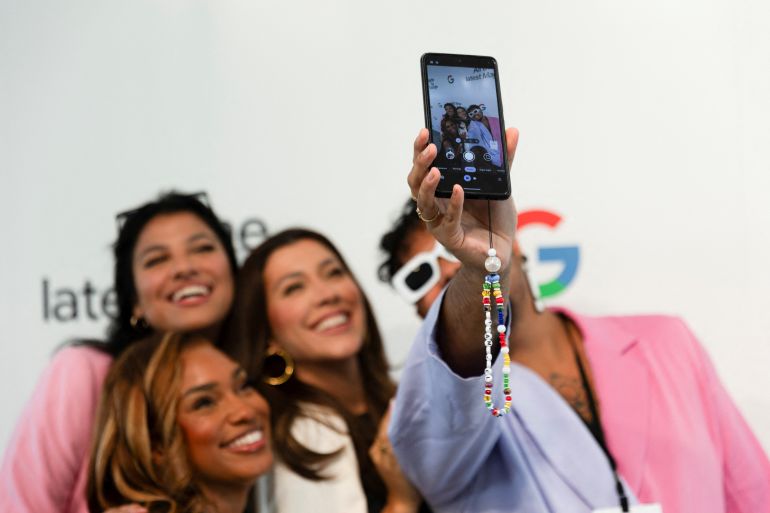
{"type": "Point", "coordinates": [465, 120]}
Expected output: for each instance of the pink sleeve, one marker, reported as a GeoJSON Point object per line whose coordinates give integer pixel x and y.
{"type": "Point", "coordinates": [43, 468]}
{"type": "Point", "coordinates": [746, 467]}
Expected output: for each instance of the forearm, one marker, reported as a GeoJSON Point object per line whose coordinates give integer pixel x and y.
{"type": "Point", "coordinates": [461, 321]}
{"type": "Point", "coordinates": [439, 421]}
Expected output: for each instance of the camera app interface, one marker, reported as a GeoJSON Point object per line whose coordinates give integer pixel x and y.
{"type": "Point", "coordinates": [465, 125]}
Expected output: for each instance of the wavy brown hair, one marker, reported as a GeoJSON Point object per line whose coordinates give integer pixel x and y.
{"type": "Point", "coordinates": [139, 454]}
{"type": "Point", "coordinates": [247, 338]}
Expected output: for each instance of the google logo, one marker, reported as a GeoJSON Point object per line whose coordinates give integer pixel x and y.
{"type": "Point", "coordinates": [568, 256]}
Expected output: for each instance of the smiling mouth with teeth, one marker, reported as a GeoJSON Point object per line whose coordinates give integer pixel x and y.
{"type": "Point", "coordinates": [332, 322]}
{"type": "Point", "coordinates": [249, 439]}
{"type": "Point", "coordinates": [189, 292]}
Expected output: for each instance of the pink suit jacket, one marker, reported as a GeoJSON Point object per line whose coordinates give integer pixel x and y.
{"type": "Point", "coordinates": [677, 436]}
{"type": "Point", "coordinates": [45, 468]}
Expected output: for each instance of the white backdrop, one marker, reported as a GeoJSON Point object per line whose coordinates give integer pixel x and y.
{"type": "Point", "coordinates": [644, 125]}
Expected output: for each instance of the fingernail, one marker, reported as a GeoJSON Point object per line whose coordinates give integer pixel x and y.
{"type": "Point", "coordinates": [426, 150]}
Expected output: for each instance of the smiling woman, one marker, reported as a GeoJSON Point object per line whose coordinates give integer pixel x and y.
{"type": "Point", "coordinates": [183, 277]}
{"type": "Point", "coordinates": [297, 300]}
{"type": "Point", "coordinates": [182, 438]}
{"type": "Point", "coordinates": [174, 271]}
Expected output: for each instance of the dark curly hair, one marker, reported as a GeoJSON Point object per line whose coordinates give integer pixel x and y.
{"type": "Point", "coordinates": [392, 243]}
{"type": "Point", "coordinates": [120, 333]}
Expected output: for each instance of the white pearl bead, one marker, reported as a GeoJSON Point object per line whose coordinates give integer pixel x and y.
{"type": "Point", "coordinates": [492, 252]}
{"type": "Point", "coordinates": [501, 328]}
{"type": "Point", "coordinates": [504, 350]}
{"type": "Point", "coordinates": [492, 264]}
{"type": "Point", "coordinates": [506, 368]}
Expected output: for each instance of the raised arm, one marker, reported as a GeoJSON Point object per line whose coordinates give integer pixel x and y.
{"type": "Point", "coordinates": [463, 228]}
{"type": "Point", "coordinates": [439, 420]}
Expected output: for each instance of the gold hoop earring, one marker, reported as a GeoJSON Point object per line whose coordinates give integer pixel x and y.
{"type": "Point", "coordinates": [287, 362]}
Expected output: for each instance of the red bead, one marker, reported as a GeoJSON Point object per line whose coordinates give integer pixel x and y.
{"type": "Point", "coordinates": [499, 300]}
{"type": "Point", "coordinates": [495, 412]}
{"type": "Point", "coordinates": [508, 398]}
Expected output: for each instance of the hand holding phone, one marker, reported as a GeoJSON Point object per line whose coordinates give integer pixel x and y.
{"type": "Point", "coordinates": [464, 115]}
{"type": "Point", "coordinates": [462, 227]}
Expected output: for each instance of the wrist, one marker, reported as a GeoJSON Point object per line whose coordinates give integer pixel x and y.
{"type": "Point", "coordinates": [474, 274]}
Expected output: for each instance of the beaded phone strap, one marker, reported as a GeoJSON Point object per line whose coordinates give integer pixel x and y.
{"type": "Point", "coordinates": [492, 290]}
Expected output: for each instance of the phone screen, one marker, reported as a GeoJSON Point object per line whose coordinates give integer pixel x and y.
{"type": "Point", "coordinates": [464, 116]}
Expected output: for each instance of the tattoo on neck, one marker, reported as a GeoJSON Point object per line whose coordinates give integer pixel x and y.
{"type": "Point", "coordinates": [571, 389]}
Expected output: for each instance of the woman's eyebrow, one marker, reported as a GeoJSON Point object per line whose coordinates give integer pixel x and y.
{"type": "Point", "coordinates": [150, 249]}
{"type": "Point", "coordinates": [296, 274]}
{"type": "Point", "coordinates": [197, 236]}
{"type": "Point", "coordinates": [200, 388]}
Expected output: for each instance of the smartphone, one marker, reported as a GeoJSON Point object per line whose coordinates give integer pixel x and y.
{"type": "Point", "coordinates": [464, 115]}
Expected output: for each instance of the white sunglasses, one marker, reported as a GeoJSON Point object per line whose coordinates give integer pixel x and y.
{"type": "Point", "coordinates": [418, 275]}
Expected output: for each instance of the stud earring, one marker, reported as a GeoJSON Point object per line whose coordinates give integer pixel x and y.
{"type": "Point", "coordinates": [138, 323]}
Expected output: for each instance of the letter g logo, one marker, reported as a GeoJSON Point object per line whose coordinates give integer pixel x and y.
{"type": "Point", "coordinates": [568, 256]}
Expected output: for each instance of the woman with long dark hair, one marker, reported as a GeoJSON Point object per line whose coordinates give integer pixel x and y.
{"type": "Point", "coordinates": [174, 271]}
{"type": "Point", "coordinates": [301, 317]}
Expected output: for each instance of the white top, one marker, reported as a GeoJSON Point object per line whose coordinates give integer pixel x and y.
{"type": "Point", "coordinates": [322, 431]}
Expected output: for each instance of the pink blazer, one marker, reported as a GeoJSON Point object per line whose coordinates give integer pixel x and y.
{"type": "Point", "coordinates": [677, 436]}
{"type": "Point", "coordinates": [45, 467]}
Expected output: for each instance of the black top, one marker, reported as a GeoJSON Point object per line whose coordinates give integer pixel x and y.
{"type": "Point", "coordinates": [595, 425]}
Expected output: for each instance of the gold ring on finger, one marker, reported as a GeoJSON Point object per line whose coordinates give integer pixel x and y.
{"type": "Point", "coordinates": [426, 220]}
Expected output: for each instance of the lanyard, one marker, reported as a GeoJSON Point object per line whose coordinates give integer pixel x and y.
{"type": "Point", "coordinates": [595, 425]}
